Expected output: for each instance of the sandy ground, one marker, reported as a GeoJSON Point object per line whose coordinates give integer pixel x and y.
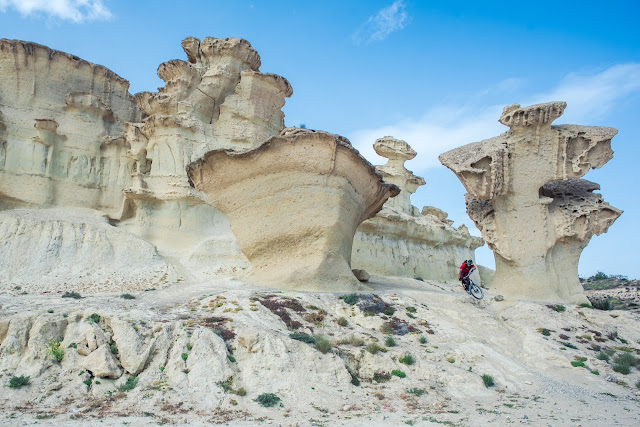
{"type": "Point", "coordinates": [535, 382]}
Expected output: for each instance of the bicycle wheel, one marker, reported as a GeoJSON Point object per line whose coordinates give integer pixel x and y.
{"type": "Point", "coordinates": [475, 291]}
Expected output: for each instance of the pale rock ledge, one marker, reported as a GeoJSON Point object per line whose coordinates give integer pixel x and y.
{"type": "Point", "coordinates": [524, 197]}
{"type": "Point", "coordinates": [294, 204]}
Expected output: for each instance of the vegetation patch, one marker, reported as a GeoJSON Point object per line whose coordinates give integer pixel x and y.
{"type": "Point", "coordinates": [55, 350]}
{"type": "Point", "coordinates": [267, 399]}
{"type": "Point", "coordinates": [323, 345]}
{"type": "Point", "coordinates": [407, 359]}
{"type": "Point", "coordinates": [398, 327]}
{"type": "Point", "coordinates": [487, 380]}
{"type": "Point", "coordinates": [422, 339]}
{"type": "Point", "coordinates": [279, 308]}
{"type": "Point", "coordinates": [544, 331]}
{"type": "Point", "coordinates": [390, 342]}
{"type": "Point", "coordinates": [73, 295]}
{"type": "Point", "coordinates": [411, 309]}
{"type": "Point", "coordinates": [127, 296]}
{"type": "Point", "coordinates": [17, 382]}
{"type": "Point", "coordinates": [342, 321]}
{"type": "Point", "coordinates": [374, 348]}
{"type": "Point", "coordinates": [416, 391]}
{"type": "Point", "coordinates": [557, 307]}
{"type": "Point", "coordinates": [301, 336]}
{"type": "Point", "coordinates": [350, 299]}
{"type": "Point", "coordinates": [381, 377]}
{"type": "Point", "coordinates": [130, 384]}
{"type": "Point", "coordinates": [398, 373]}
{"type": "Point", "coordinates": [218, 324]}
{"type": "Point", "coordinates": [568, 345]}
{"type": "Point", "coordinates": [94, 318]}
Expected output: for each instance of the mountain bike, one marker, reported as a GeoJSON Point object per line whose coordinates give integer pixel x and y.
{"type": "Point", "coordinates": [472, 289]}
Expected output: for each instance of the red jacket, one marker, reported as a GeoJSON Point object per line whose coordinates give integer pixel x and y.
{"type": "Point", "coordinates": [465, 269]}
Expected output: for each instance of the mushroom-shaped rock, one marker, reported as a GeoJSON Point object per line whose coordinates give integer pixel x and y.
{"type": "Point", "coordinates": [524, 197]}
{"type": "Point", "coordinates": [294, 204]}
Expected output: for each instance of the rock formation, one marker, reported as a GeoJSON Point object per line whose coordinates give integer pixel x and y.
{"type": "Point", "coordinates": [401, 241]}
{"type": "Point", "coordinates": [294, 204]}
{"type": "Point", "coordinates": [525, 197]}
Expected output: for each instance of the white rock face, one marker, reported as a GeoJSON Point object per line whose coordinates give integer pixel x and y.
{"type": "Point", "coordinates": [294, 204]}
{"type": "Point", "coordinates": [524, 196]}
{"type": "Point", "coordinates": [102, 364]}
{"type": "Point", "coordinates": [61, 125]}
{"type": "Point", "coordinates": [399, 241]}
{"type": "Point", "coordinates": [73, 250]}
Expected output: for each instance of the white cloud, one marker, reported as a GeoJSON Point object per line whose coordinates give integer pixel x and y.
{"type": "Point", "coordinates": [590, 98]}
{"type": "Point", "coordinates": [72, 10]}
{"type": "Point", "coordinates": [386, 21]}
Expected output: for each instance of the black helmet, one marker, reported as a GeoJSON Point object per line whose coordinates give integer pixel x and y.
{"type": "Point", "coordinates": [469, 262]}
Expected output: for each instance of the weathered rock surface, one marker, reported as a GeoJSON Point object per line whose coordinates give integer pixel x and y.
{"type": "Point", "coordinates": [61, 126]}
{"type": "Point", "coordinates": [399, 240]}
{"type": "Point", "coordinates": [102, 364]}
{"type": "Point", "coordinates": [72, 250]}
{"type": "Point", "coordinates": [524, 196]}
{"type": "Point", "coordinates": [294, 204]}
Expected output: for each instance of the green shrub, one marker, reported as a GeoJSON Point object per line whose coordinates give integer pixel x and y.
{"type": "Point", "coordinates": [407, 359]}
{"type": "Point", "coordinates": [373, 348]}
{"type": "Point", "coordinates": [94, 318]}
{"type": "Point", "coordinates": [544, 331]}
{"type": "Point", "coordinates": [88, 382]}
{"type": "Point", "coordinates": [623, 369]}
{"type": "Point", "coordinates": [231, 358]}
{"type": "Point", "coordinates": [388, 310]}
{"type": "Point", "coordinates": [322, 344]}
{"type": "Point", "coordinates": [625, 358]}
{"type": "Point", "coordinates": [240, 392]}
{"type": "Point", "coordinates": [603, 356]}
{"type": "Point", "coordinates": [127, 296]}
{"type": "Point", "coordinates": [55, 350]}
{"type": "Point", "coordinates": [114, 348]}
{"type": "Point", "coordinates": [487, 380]}
{"type": "Point", "coordinates": [451, 359]}
{"type": "Point", "coordinates": [301, 336]}
{"type": "Point", "coordinates": [586, 305]}
{"type": "Point", "coordinates": [267, 399]}
{"type": "Point", "coordinates": [342, 321]}
{"type": "Point", "coordinates": [354, 380]}
{"type": "Point", "coordinates": [600, 304]}
{"type": "Point", "coordinates": [416, 391]}
{"type": "Point", "coordinates": [595, 372]}
{"type": "Point", "coordinates": [398, 373]}
{"type": "Point", "coordinates": [184, 356]}
{"type": "Point", "coordinates": [130, 384]}
{"type": "Point", "coordinates": [568, 345]}
{"type": "Point", "coordinates": [350, 299]}
{"type": "Point", "coordinates": [577, 364]}
{"type": "Point", "coordinates": [422, 339]}
{"type": "Point", "coordinates": [600, 276]}
{"type": "Point", "coordinates": [411, 309]}
{"type": "Point", "coordinates": [557, 307]}
{"type": "Point", "coordinates": [17, 382]}
{"type": "Point", "coordinates": [390, 342]}
{"type": "Point", "coordinates": [73, 295]}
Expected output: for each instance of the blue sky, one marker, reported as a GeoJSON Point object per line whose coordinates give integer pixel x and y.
{"type": "Point", "coordinates": [434, 73]}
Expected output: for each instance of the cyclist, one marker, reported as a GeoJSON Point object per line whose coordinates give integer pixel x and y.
{"type": "Point", "coordinates": [466, 269]}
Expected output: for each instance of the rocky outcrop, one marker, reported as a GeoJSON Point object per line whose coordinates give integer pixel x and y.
{"type": "Point", "coordinates": [525, 197]}
{"type": "Point", "coordinates": [73, 250]}
{"type": "Point", "coordinates": [294, 204]}
{"type": "Point", "coordinates": [401, 241]}
{"type": "Point", "coordinates": [61, 125]}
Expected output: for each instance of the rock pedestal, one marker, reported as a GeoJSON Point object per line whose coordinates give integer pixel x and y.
{"type": "Point", "coordinates": [525, 197]}
{"type": "Point", "coordinates": [401, 241]}
{"type": "Point", "coordinates": [294, 204]}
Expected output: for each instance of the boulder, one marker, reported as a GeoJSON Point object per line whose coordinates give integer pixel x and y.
{"type": "Point", "coordinates": [102, 364]}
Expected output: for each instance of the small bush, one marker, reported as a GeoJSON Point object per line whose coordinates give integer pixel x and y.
{"type": "Point", "coordinates": [600, 276]}
{"type": "Point", "coordinates": [390, 342]}
{"type": "Point", "coordinates": [88, 382]}
{"type": "Point", "coordinates": [386, 329]}
{"type": "Point", "coordinates": [73, 295]}
{"type": "Point", "coordinates": [487, 380]}
{"type": "Point", "coordinates": [354, 380]}
{"type": "Point", "coordinates": [114, 348]}
{"type": "Point", "coordinates": [595, 372]}
{"type": "Point", "coordinates": [17, 382]}
{"type": "Point", "coordinates": [55, 350]}
{"type": "Point", "coordinates": [322, 344]}
{"type": "Point", "coordinates": [184, 356]}
{"type": "Point", "coordinates": [342, 321]}
{"type": "Point", "coordinates": [388, 310]}
{"type": "Point", "coordinates": [127, 296]}
{"type": "Point", "coordinates": [350, 299]}
{"type": "Point", "coordinates": [301, 336]}
{"type": "Point", "coordinates": [422, 339]}
{"type": "Point", "coordinates": [544, 331]}
{"type": "Point", "coordinates": [240, 392]}
{"type": "Point", "coordinates": [622, 369]}
{"type": "Point", "coordinates": [94, 318]}
{"type": "Point", "coordinates": [231, 358]}
{"type": "Point", "coordinates": [451, 359]}
{"type": "Point", "coordinates": [577, 364]}
{"type": "Point", "coordinates": [407, 359]}
{"type": "Point", "coordinates": [373, 348]}
{"type": "Point", "coordinates": [381, 377]}
{"type": "Point", "coordinates": [411, 309]}
{"type": "Point", "coordinates": [416, 391]}
{"type": "Point", "coordinates": [625, 358]}
{"type": "Point", "coordinates": [557, 307]}
{"type": "Point", "coordinates": [352, 340]}
{"type": "Point", "coordinates": [603, 356]}
{"type": "Point", "coordinates": [600, 304]}
{"type": "Point", "coordinates": [130, 384]}
{"type": "Point", "coordinates": [568, 345]}
{"type": "Point", "coordinates": [267, 399]}
{"type": "Point", "coordinates": [398, 373]}
{"type": "Point", "coordinates": [586, 305]}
